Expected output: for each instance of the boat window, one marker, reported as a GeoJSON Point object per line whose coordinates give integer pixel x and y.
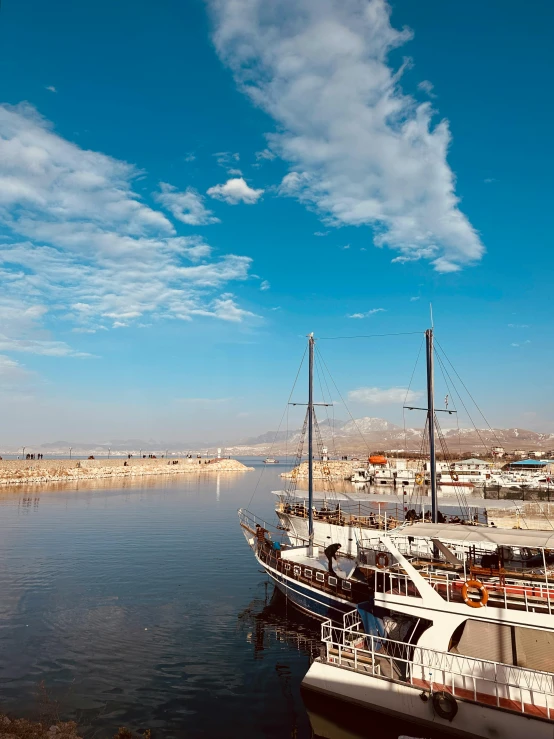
{"type": "Point", "coordinates": [287, 566]}
{"type": "Point", "coordinates": [346, 585]}
{"type": "Point", "coordinates": [308, 573]}
{"type": "Point", "coordinates": [332, 581]}
{"type": "Point", "coordinates": [320, 577]}
{"type": "Point", "coordinates": [296, 570]}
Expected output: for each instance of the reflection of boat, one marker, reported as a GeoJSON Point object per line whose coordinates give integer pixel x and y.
{"type": "Point", "coordinates": [270, 460]}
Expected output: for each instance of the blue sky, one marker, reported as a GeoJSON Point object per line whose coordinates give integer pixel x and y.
{"type": "Point", "coordinates": [188, 188]}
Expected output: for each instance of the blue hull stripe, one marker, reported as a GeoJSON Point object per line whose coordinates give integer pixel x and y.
{"type": "Point", "coordinates": [319, 604]}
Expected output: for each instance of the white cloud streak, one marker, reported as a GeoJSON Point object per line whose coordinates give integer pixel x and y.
{"type": "Point", "coordinates": [368, 313]}
{"type": "Point", "coordinates": [187, 207]}
{"type": "Point", "coordinates": [362, 151]}
{"type": "Point", "coordinates": [382, 396]}
{"type": "Point", "coordinates": [84, 247]}
{"type": "Point", "coordinates": [235, 191]}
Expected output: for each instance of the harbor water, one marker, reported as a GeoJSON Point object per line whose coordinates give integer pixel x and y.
{"type": "Point", "coordinates": [141, 605]}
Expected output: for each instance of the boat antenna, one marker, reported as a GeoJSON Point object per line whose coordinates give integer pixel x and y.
{"type": "Point", "coordinates": [310, 444]}
{"type": "Point", "coordinates": [431, 314]}
{"type": "Point", "coordinates": [431, 421]}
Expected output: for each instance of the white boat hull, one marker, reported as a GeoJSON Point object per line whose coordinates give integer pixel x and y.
{"type": "Point", "coordinates": [404, 701]}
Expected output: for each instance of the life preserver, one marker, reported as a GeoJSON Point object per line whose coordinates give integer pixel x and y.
{"type": "Point", "coordinates": [326, 471]}
{"type": "Point", "coordinates": [445, 705]}
{"type": "Point", "coordinates": [483, 594]}
{"type": "Point", "coordinates": [294, 474]}
{"type": "Point", "coordinates": [454, 476]}
{"type": "Point", "coordinates": [419, 479]}
{"type": "Point", "coordinates": [382, 560]}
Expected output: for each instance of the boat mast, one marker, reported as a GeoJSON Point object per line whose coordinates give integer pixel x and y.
{"type": "Point", "coordinates": [310, 444]}
{"type": "Point", "coordinates": [431, 421]}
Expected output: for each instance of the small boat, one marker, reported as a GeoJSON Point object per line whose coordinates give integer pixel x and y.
{"type": "Point", "coordinates": [270, 460]}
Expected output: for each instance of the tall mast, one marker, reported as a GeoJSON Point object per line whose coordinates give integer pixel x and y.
{"type": "Point", "coordinates": [310, 444]}
{"type": "Point", "coordinates": [431, 421]}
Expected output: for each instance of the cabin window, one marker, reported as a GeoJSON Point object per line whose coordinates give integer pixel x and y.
{"type": "Point", "coordinates": [332, 581]}
{"type": "Point", "coordinates": [346, 585]}
{"type": "Point", "coordinates": [297, 571]}
{"type": "Point", "coordinates": [287, 566]}
{"type": "Point", "coordinates": [308, 573]}
{"type": "Point", "coordinates": [320, 577]}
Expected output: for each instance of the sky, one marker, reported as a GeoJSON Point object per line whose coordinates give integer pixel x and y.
{"type": "Point", "coordinates": [187, 189]}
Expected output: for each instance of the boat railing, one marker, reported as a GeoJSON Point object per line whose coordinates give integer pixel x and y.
{"type": "Point", "coordinates": [534, 597]}
{"type": "Point", "coordinates": [249, 521]}
{"type": "Point", "coordinates": [482, 681]}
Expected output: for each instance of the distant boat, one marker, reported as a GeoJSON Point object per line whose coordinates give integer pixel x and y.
{"type": "Point", "coordinates": [270, 460]}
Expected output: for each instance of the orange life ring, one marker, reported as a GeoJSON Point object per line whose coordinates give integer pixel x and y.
{"type": "Point", "coordinates": [454, 476]}
{"type": "Point", "coordinates": [326, 471]}
{"type": "Point", "coordinates": [419, 479]}
{"type": "Point", "coordinates": [294, 473]}
{"type": "Point", "coordinates": [382, 560]}
{"type": "Point", "coordinates": [483, 594]}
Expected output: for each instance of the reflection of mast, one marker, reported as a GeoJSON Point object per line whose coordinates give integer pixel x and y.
{"type": "Point", "coordinates": [217, 485]}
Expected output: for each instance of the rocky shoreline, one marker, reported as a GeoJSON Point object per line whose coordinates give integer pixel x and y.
{"type": "Point", "coordinates": [31, 472]}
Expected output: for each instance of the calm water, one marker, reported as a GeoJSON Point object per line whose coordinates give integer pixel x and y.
{"type": "Point", "coordinates": [143, 606]}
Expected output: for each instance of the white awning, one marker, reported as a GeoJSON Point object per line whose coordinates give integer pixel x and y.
{"type": "Point", "coordinates": [477, 534]}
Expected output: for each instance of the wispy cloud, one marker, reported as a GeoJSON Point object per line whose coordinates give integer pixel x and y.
{"type": "Point", "coordinates": [518, 325]}
{"type": "Point", "coordinates": [266, 155]}
{"type": "Point", "coordinates": [51, 88]}
{"type": "Point", "coordinates": [86, 247]}
{"type": "Point", "coordinates": [235, 191]}
{"type": "Point", "coordinates": [361, 151]}
{"type": "Point", "coordinates": [523, 343]}
{"type": "Point", "coordinates": [367, 313]}
{"type": "Point", "coordinates": [381, 396]}
{"type": "Point", "coordinates": [321, 233]}
{"type": "Point", "coordinates": [488, 180]}
{"type": "Point", "coordinates": [427, 87]}
{"type": "Point", "coordinates": [412, 300]}
{"type": "Point", "coordinates": [187, 207]}
{"type": "Point", "coordinates": [264, 285]}
{"type": "Point", "coordinates": [227, 158]}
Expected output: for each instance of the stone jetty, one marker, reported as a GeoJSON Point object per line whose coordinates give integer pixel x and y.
{"type": "Point", "coordinates": [333, 469]}
{"type": "Point", "coordinates": [31, 472]}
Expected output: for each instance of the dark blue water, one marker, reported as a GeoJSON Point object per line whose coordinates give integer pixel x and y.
{"type": "Point", "coordinates": [142, 606]}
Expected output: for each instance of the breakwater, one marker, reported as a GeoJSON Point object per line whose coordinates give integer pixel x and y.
{"type": "Point", "coordinates": [20, 471]}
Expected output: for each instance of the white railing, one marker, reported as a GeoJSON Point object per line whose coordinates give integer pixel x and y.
{"type": "Point", "coordinates": [534, 597]}
{"type": "Point", "coordinates": [482, 681]}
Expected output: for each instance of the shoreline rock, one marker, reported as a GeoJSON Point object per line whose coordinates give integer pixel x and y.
{"type": "Point", "coordinates": [32, 472]}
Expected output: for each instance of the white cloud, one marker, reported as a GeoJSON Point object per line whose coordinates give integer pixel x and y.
{"type": "Point", "coordinates": [266, 154]}
{"type": "Point", "coordinates": [235, 172]}
{"type": "Point", "coordinates": [427, 87]}
{"type": "Point", "coordinates": [378, 396]}
{"type": "Point", "coordinates": [235, 191]}
{"type": "Point", "coordinates": [518, 325]}
{"type": "Point", "coordinates": [187, 207]}
{"type": "Point", "coordinates": [84, 244]}
{"type": "Point", "coordinates": [488, 180]}
{"type": "Point", "coordinates": [226, 158]}
{"type": "Point", "coordinates": [412, 300]}
{"type": "Point", "coordinates": [190, 157]}
{"type": "Point", "coordinates": [51, 88]}
{"type": "Point", "coordinates": [321, 233]}
{"type": "Point", "coordinates": [362, 151]}
{"type": "Point", "coordinates": [265, 285]}
{"type": "Point", "coordinates": [367, 313]}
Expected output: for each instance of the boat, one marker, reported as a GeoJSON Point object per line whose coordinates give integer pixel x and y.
{"type": "Point", "coordinates": [457, 632]}
{"type": "Point", "coordinates": [270, 460]}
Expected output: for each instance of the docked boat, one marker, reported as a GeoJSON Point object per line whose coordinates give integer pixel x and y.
{"type": "Point", "coordinates": [270, 460]}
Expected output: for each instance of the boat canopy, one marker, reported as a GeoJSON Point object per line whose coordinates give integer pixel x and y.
{"type": "Point", "coordinates": [476, 534]}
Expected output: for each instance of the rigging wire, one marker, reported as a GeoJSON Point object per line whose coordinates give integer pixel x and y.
{"type": "Point", "coordinates": [470, 395]}
{"type": "Point", "coordinates": [279, 427]}
{"type": "Point", "coordinates": [408, 391]}
{"type": "Point", "coordinates": [367, 336]}
{"type": "Point", "coordinates": [342, 400]}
